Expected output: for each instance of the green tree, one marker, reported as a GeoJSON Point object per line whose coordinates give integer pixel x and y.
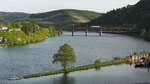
{"type": "Point", "coordinates": [142, 33]}
{"type": "Point", "coordinates": [65, 56]}
{"type": "Point", "coordinates": [29, 28]}
{"type": "Point", "coordinates": [98, 61]}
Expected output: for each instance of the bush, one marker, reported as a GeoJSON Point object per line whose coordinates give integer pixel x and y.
{"type": "Point", "coordinates": [117, 58]}
{"type": "Point", "coordinates": [97, 61]}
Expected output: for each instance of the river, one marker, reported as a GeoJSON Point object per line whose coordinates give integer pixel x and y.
{"type": "Point", "coordinates": [35, 58]}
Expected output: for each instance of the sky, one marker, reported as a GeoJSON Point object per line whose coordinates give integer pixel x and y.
{"type": "Point", "coordinates": [37, 6]}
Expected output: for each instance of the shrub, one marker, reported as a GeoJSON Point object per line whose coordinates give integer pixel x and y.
{"type": "Point", "coordinates": [117, 58]}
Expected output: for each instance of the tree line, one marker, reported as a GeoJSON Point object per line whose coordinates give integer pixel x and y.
{"type": "Point", "coordinates": [135, 16]}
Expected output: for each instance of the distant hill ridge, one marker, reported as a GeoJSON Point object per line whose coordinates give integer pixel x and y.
{"type": "Point", "coordinates": [57, 17]}
{"type": "Point", "coordinates": [9, 16]}
{"type": "Point", "coordinates": [65, 16]}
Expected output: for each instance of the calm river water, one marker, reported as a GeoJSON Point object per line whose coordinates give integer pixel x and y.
{"type": "Point", "coordinates": [35, 58]}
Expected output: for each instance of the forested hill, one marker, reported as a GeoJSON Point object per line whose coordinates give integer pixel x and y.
{"type": "Point", "coordinates": [136, 16]}
{"type": "Point", "coordinates": [58, 17]}
{"type": "Point", "coordinates": [9, 16]}
{"type": "Point", "coordinates": [126, 16]}
{"type": "Point", "coordinates": [65, 16]}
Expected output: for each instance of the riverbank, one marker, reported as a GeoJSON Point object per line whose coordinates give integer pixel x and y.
{"type": "Point", "coordinates": [73, 69]}
{"type": "Point", "coordinates": [3, 44]}
{"type": "Point", "coordinates": [15, 38]}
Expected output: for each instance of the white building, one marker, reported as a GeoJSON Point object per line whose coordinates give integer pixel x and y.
{"type": "Point", "coordinates": [95, 26]}
{"type": "Point", "coordinates": [3, 27]}
{"type": "Point", "coordinates": [1, 39]}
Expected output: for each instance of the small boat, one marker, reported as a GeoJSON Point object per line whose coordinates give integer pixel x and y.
{"type": "Point", "coordinates": [140, 64]}
{"type": "Point", "coordinates": [143, 63]}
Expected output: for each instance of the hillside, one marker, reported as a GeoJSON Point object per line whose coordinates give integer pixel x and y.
{"type": "Point", "coordinates": [135, 16]}
{"type": "Point", "coordinates": [65, 16]}
{"type": "Point", "coordinates": [58, 17]}
{"type": "Point", "coordinates": [9, 16]}
{"type": "Point", "coordinates": [126, 16]}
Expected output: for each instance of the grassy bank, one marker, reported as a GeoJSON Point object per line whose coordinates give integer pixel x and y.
{"type": "Point", "coordinates": [3, 44]}
{"type": "Point", "coordinates": [21, 38]}
{"type": "Point", "coordinates": [73, 69]}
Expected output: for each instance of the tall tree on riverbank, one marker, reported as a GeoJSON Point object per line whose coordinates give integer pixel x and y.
{"type": "Point", "coordinates": [65, 56]}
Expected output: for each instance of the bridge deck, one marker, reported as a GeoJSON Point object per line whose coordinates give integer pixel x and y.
{"type": "Point", "coordinates": [98, 30]}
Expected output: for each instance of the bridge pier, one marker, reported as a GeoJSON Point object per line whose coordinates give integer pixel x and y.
{"type": "Point", "coordinates": [100, 32]}
{"type": "Point", "coordinates": [86, 32]}
{"type": "Point", "coordinates": [72, 33]}
{"type": "Point", "coordinates": [73, 30]}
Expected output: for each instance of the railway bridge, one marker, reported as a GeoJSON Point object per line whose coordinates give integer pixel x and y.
{"type": "Point", "coordinates": [97, 29]}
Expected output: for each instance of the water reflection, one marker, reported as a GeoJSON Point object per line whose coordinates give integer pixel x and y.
{"type": "Point", "coordinates": [65, 79]}
{"type": "Point", "coordinates": [97, 68]}
{"type": "Point", "coordinates": [148, 68]}
{"type": "Point", "coordinates": [140, 66]}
